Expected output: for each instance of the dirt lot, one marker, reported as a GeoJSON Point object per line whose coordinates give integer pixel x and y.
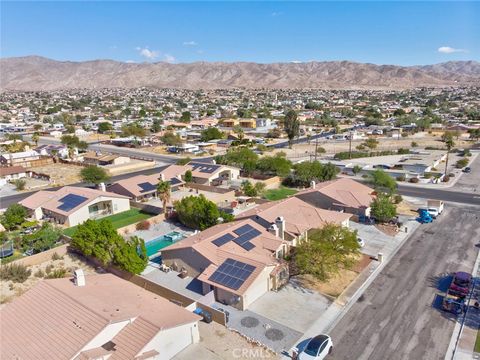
{"type": "Point", "coordinates": [60, 174]}
{"type": "Point", "coordinates": [338, 283]}
{"type": "Point", "coordinates": [9, 290]}
{"type": "Point", "coordinates": [216, 342]}
{"type": "Point", "coordinates": [333, 146]}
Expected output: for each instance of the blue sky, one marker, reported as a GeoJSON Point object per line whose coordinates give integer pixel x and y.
{"type": "Point", "coordinates": [388, 32]}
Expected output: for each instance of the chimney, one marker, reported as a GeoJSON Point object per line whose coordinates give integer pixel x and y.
{"type": "Point", "coordinates": [214, 162]}
{"type": "Point", "coordinates": [280, 222]}
{"type": "Point", "coordinates": [79, 277]}
{"type": "Point", "coordinates": [102, 187]}
{"type": "Point", "coordinates": [162, 177]}
{"type": "Point", "coordinates": [313, 184]}
{"type": "Point", "coordinates": [273, 229]}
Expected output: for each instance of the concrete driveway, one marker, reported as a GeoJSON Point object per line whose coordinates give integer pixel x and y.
{"type": "Point", "coordinates": [293, 306]}
{"type": "Point", "coordinates": [396, 317]}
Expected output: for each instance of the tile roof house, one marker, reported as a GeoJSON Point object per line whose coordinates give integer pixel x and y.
{"type": "Point", "coordinates": [292, 218]}
{"type": "Point", "coordinates": [202, 173]}
{"type": "Point", "coordinates": [240, 261]}
{"type": "Point", "coordinates": [11, 173]}
{"type": "Point", "coordinates": [142, 187]}
{"type": "Point", "coordinates": [72, 205]}
{"type": "Point", "coordinates": [19, 158]}
{"type": "Point", "coordinates": [102, 317]}
{"type": "Point", "coordinates": [342, 194]}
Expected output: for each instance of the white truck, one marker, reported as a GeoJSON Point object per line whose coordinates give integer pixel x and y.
{"type": "Point", "coordinates": [435, 207]}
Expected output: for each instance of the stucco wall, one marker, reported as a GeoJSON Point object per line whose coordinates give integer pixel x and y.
{"type": "Point", "coordinates": [81, 215]}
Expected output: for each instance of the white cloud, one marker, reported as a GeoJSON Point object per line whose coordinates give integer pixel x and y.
{"type": "Point", "coordinates": [169, 58]}
{"type": "Point", "coordinates": [276, 13]}
{"type": "Point", "coordinates": [450, 50]}
{"type": "Point", "coordinates": [148, 54]}
{"type": "Point", "coordinates": [189, 43]}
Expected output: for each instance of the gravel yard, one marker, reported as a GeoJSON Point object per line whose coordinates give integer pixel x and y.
{"type": "Point", "coordinates": [60, 174]}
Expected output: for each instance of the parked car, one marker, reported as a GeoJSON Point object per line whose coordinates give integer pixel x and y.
{"type": "Point", "coordinates": [467, 170]}
{"type": "Point", "coordinates": [424, 217]}
{"type": "Point", "coordinates": [317, 348]}
{"type": "Point", "coordinates": [361, 242]}
{"type": "Point", "coordinates": [461, 283]}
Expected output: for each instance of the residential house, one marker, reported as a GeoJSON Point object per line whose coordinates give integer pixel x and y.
{"type": "Point", "coordinates": [239, 261]}
{"type": "Point", "coordinates": [61, 151]}
{"type": "Point", "coordinates": [202, 173]}
{"type": "Point", "coordinates": [96, 158]}
{"type": "Point", "coordinates": [19, 158]}
{"type": "Point", "coordinates": [143, 187]}
{"type": "Point", "coordinates": [94, 317]}
{"type": "Point", "coordinates": [71, 205]}
{"type": "Point", "coordinates": [345, 195]}
{"type": "Point", "coordinates": [11, 173]}
{"type": "Point", "coordinates": [293, 218]}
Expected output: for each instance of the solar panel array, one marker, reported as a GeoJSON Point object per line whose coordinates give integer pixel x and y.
{"type": "Point", "coordinates": [204, 168]}
{"type": "Point", "coordinates": [146, 186]}
{"type": "Point", "coordinates": [175, 181]}
{"type": "Point", "coordinates": [70, 202]}
{"type": "Point", "coordinates": [244, 234]}
{"type": "Point", "coordinates": [222, 240]}
{"type": "Point", "coordinates": [232, 273]}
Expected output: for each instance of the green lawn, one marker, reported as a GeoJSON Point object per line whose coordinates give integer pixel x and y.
{"type": "Point", "coordinates": [477, 343]}
{"type": "Point", "coordinates": [280, 193]}
{"type": "Point", "coordinates": [120, 220]}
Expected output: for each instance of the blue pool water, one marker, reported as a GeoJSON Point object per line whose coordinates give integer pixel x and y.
{"type": "Point", "coordinates": [155, 245]}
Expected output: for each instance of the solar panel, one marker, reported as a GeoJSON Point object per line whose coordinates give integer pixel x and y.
{"type": "Point", "coordinates": [175, 181]}
{"type": "Point", "coordinates": [247, 246]}
{"type": "Point", "coordinates": [243, 229]}
{"type": "Point", "coordinates": [70, 202]}
{"type": "Point", "coordinates": [223, 239]}
{"type": "Point", "coordinates": [204, 168]}
{"type": "Point", "coordinates": [232, 273]}
{"type": "Point", "coordinates": [252, 234]}
{"type": "Point", "coordinates": [146, 187]}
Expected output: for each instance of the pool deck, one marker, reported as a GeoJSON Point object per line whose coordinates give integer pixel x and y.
{"type": "Point", "coordinates": [160, 229]}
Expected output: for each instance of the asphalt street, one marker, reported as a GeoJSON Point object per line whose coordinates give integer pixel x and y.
{"type": "Point", "coordinates": [397, 317]}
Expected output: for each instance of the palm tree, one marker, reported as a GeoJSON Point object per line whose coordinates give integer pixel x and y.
{"type": "Point", "coordinates": [35, 138]}
{"type": "Point", "coordinates": [447, 138]}
{"type": "Point", "coordinates": [163, 190]}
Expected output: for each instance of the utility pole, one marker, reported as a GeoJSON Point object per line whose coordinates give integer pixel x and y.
{"type": "Point", "coordinates": [316, 148]}
{"type": "Point", "coordinates": [350, 146]}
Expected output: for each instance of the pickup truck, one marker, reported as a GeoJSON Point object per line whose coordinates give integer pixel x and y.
{"type": "Point", "coordinates": [435, 207]}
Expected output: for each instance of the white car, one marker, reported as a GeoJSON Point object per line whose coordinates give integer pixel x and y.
{"type": "Point", "coordinates": [317, 348]}
{"type": "Point", "coordinates": [361, 242]}
{"type": "Point", "coordinates": [433, 212]}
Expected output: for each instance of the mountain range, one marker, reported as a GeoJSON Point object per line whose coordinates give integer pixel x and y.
{"type": "Point", "coordinates": [33, 73]}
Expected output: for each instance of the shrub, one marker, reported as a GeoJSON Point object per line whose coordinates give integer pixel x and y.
{"type": "Point", "coordinates": [57, 273]}
{"type": "Point", "coordinates": [414, 180]}
{"type": "Point", "coordinates": [397, 199]}
{"type": "Point", "coordinates": [40, 273]}
{"type": "Point", "coordinates": [143, 225]}
{"type": "Point", "coordinates": [402, 151]}
{"type": "Point", "coordinates": [49, 269]}
{"type": "Point", "coordinates": [413, 144]}
{"type": "Point", "coordinates": [55, 256]}
{"type": "Point", "coordinates": [461, 163]}
{"type": "Point", "coordinates": [401, 178]}
{"type": "Point", "coordinates": [15, 272]}
{"type": "Point", "coordinates": [20, 184]}
{"type": "Point", "coordinates": [321, 150]}
{"type": "Point", "coordinates": [451, 175]}
{"type": "Point", "coordinates": [446, 178]}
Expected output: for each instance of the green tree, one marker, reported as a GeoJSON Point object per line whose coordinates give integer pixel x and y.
{"type": "Point", "coordinates": [197, 212]}
{"type": "Point", "coordinates": [371, 143]}
{"type": "Point", "coordinates": [164, 192]}
{"type": "Point", "coordinates": [241, 157]}
{"type": "Point", "coordinates": [249, 189]}
{"type": "Point", "coordinates": [381, 181]}
{"type": "Point", "coordinates": [447, 139]}
{"type": "Point", "coordinates": [43, 239]}
{"type": "Point", "coordinates": [211, 133]}
{"type": "Point", "coordinates": [188, 176]}
{"type": "Point", "coordinates": [183, 161]}
{"type": "Point", "coordinates": [356, 169]}
{"type": "Point", "coordinates": [291, 126]}
{"type": "Point", "coordinates": [100, 240]}
{"type": "Point", "coordinates": [35, 138]}
{"type": "Point", "coordinates": [171, 139]}
{"type": "Point", "coordinates": [327, 251]}
{"type": "Point", "coordinates": [94, 174]}
{"type": "Point", "coordinates": [274, 165]}
{"type": "Point", "coordinates": [20, 184]}
{"type": "Point", "coordinates": [70, 140]}
{"type": "Point", "coordinates": [237, 129]}
{"type": "Point", "coordinates": [134, 130]}
{"type": "Point", "coordinates": [186, 117]}
{"type": "Point", "coordinates": [382, 208]}
{"type": "Point", "coordinates": [312, 171]}
{"type": "Point", "coordinates": [13, 216]}
{"type": "Point", "coordinates": [104, 127]}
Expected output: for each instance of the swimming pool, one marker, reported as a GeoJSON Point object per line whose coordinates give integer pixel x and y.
{"type": "Point", "coordinates": [155, 245]}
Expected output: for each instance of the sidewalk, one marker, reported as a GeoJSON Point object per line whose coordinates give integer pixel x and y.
{"type": "Point", "coordinates": [335, 312]}
{"type": "Point", "coordinates": [464, 335]}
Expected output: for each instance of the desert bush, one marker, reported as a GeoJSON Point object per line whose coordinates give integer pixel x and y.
{"type": "Point", "coordinates": [446, 178]}
{"type": "Point", "coordinates": [40, 273]}
{"type": "Point", "coordinates": [55, 256]}
{"type": "Point", "coordinates": [15, 272]}
{"type": "Point", "coordinates": [461, 163]}
{"type": "Point", "coordinates": [414, 180]}
{"type": "Point", "coordinates": [57, 273]}
{"type": "Point", "coordinates": [401, 178]}
{"type": "Point", "coordinates": [143, 225]}
{"type": "Point", "coordinates": [49, 269]}
{"type": "Point", "coordinates": [397, 199]}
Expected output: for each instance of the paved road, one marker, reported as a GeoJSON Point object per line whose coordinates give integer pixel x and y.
{"type": "Point", "coordinates": [470, 182]}
{"type": "Point", "coordinates": [395, 318]}
{"type": "Point", "coordinates": [439, 194]}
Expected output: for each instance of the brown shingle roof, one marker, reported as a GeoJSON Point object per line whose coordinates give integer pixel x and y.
{"type": "Point", "coordinates": [4, 171]}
